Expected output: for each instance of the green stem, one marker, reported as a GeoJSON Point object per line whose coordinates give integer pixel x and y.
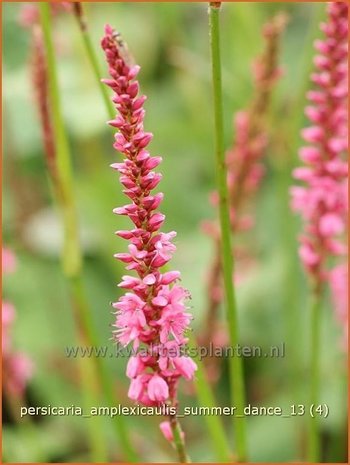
{"type": "Point", "coordinates": [14, 402]}
{"type": "Point", "coordinates": [89, 397]}
{"type": "Point", "coordinates": [79, 297]}
{"type": "Point", "coordinates": [313, 453]}
{"type": "Point", "coordinates": [178, 441]}
{"type": "Point", "coordinates": [72, 254]}
{"type": "Point", "coordinates": [206, 399]}
{"type": "Point", "coordinates": [90, 51]}
{"type": "Point", "coordinates": [236, 366]}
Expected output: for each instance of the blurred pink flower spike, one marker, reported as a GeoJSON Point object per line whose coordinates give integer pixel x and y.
{"type": "Point", "coordinates": [322, 200]}
{"type": "Point", "coordinates": [17, 366]}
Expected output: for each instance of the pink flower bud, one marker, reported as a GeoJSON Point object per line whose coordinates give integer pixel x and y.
{"type": "Point", "coordinates": [134, 367]}
{"type": "Point", "coordinates": [165, 428]}
{"type": "Point", "coordinates": [158, 389]}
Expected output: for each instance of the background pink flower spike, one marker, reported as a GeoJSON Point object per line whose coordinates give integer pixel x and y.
{"type": "Point", "coordinates": [17, 366]}
{"type": "Point", "coordinates": [322, 200]}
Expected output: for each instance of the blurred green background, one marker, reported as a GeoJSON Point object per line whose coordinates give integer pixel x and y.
{"type": "Point", "coordinates": [170, 42]}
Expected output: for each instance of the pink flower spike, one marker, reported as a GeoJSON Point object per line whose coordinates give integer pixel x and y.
{"type": "Point", "coordinates": [153, 309]}
{"type": "Point", "coordinates": [321, 201]}
{"type": "Point", "coordinates": [17, 366]}
{"type": "Point", "coordinates": [244, 159]}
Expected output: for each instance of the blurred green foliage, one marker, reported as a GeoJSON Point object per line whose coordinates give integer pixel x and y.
{"type": "Point", "coordinates": [169, 41]}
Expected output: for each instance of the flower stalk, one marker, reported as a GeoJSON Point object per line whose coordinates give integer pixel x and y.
{"type": "Point", "coordinates": [314, 442]}
{"type": "Point", "coordinates": [206, 398]}
{"type": "Point", "coordinates": [179, 440]}
{"type": "Point", "coordinates": [236, 367]}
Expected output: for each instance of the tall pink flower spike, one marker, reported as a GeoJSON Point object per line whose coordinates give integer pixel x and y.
{"type": "Point", "coordinates": [29, 13]}
{"type": "Point", "coordinates": [322, 201]}
{"type": "Point", "coordinates": [17, 367]}
{"type": "Point", "coordinates": [152, 313]}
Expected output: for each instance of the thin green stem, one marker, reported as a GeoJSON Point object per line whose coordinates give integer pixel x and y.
{"type": "Point", "coordinates": [313, 452]}
{"type": "Point", "coordinates": [79, 297]}
{"type": "Point", "coordinates": [236, 366]}
{"type": "Point", "coordinates": [178, 441]}
{"type": "Point", "coordinates": [206, 399]}
{"type": "Point", "coordinates": [14, 402]}
{"type": "Point", "coordinates": [90, 51]}
{"type": "Point", "coordinates": [89, 397]}
{"type": "Point", "coordinates": [72, 254]}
